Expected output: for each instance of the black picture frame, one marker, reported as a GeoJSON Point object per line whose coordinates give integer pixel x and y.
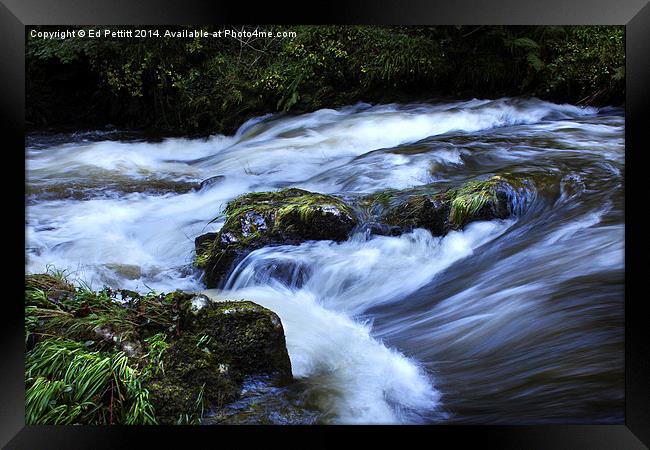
{"type": "Point", "coordinates": [15, 15]}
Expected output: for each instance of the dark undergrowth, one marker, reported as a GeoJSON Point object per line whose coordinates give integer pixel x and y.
{"type": "Point", "coordinates": [193, 86]}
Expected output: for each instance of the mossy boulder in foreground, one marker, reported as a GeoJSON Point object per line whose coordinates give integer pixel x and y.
{"type": "Point", "coordinates": [221, 345]}
{"type": "Point", "coordinates": [494, 198]}
{"type": "Point", "coordinates": [255, 220]}
{"type": "Point", "coordinates": [119, 357]}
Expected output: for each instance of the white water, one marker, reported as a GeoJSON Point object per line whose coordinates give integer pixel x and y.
{"type": "Point", "coordinates": [321, 290]}
{"type": "Point", "coordinates": [344, 279]}
{"type": "Point", "coordinates": [325, 151]}
{"type": "Point", "coordinates": [358, 379]}
{"type": "Point", "coordinates": [362, 272]}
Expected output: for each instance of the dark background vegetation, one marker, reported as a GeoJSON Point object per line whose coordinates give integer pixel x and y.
{"type": "Point", "coordinates": [175, 86]}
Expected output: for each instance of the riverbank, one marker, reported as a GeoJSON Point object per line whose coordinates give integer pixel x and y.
{"type": "Point", "coordinates": [199, 87]}
{"type": "Point", "coordinates": [117, 357]}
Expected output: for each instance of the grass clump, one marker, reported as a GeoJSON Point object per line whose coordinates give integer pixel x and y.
{"type": "Point", "coordinates": [157, 345]}
{"type": "Point", "coordinates": [94, 358]}
{"type": "Point", "coordinates": [93, 311]}
{"type": "Point", "coordinates": [68, 384]}
{"type": "Point", "coordinates": [88, 356]}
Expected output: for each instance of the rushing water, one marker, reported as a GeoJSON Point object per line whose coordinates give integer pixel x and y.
{"type": "Point", "coordinates": [506, 321]}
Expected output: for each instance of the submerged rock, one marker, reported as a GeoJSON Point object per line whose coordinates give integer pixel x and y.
{"type": "Point", "coordinates": [264, 403]}
{"type": "Point", "coordinates": [127, 271]}
{"type": "Point", "coordinates": [174, 355]}
{"type": "Point", "coordinates": [453, 209]}
{"type": "Point", "coordinates": [258, 219]}
{"type": "Point", "coordinates": [211, 182]}
{"type": "Point", "coordinates": [108, 185]}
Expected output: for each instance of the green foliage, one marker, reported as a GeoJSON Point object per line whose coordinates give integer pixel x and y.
{"type": "Point", "coordinates": [197, 85]}
{"type": "Point", "coordinates": [37, 297]}
{"type": "Point", "coordinates": [324, 65]}
{"type": "Point", "coordinates": [119, 357]}
{"type": "Point", "coordinates": [156, 345]}
{"type": "Point", "coordinates": [68, 384]}
{"type": "Point", "coordinates": [588, 64]}
{"type": "Point", "coordinates": [82, 366]}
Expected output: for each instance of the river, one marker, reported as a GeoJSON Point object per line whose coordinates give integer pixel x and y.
{"type": "Point", "coordinates": [507, 321]}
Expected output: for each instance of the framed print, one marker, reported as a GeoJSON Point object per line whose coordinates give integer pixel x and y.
{"type": "Point", "coordinates": [239, 220]}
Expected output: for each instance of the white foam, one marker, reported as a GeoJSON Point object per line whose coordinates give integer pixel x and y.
{"type": "Point", "coordinates": [359, 273]}
{"type": "Point", "coordinates": [358, 379]}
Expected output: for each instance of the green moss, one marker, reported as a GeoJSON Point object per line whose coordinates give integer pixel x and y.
{"type": "Point", "coordinates": [488, 199]}
{"type": "Point", "coordinates": [276, 207]}
{"type": "Point", "coordinates": [190, 373]}
{"type": "Point", "coordinates": [373, 205]}
{"type": "Point", "coordinates": [418, 211]}
{"type": "Point", "coordinates": [202, 255]}
{"type": "Point", "coordinates": [468, 200]}
{"type": "Point", "coordinates": [384, 198]}
{"type": "Point", "coordinates": [288, 216]}
{"type": "Point", "coordinates": [219, 345]}
{"type": "Point", "coordinates": [439, 212]}
{"type": "Point", "coordinates": [244, 335]}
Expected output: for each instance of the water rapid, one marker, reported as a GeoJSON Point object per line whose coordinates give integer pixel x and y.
{"type": "Point", "coordinates": [505, 321]}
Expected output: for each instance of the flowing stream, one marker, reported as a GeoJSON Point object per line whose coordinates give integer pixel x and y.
{"type": "Point", "coordinates": [506, 321]}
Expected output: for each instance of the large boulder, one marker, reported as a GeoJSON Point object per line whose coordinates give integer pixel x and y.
{"type": "Point", "coordinates": [219, 345]}
{"type": "Point", "coordinates": [494, 198]}
{"type": "Point", "coordinates": [166, 359]}
{"type": "Point", "coordinates": [255, 220]}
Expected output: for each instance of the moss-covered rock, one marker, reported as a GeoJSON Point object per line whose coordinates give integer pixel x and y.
{"type": "Point", "coordinates": [258, 219]}
{"type": "Point", "coordinates": [183, 353]}
{"type": "Point", "coordinates": [220, 344]}
{"type": "Point", "coordinates": [453, 209]}
{"type": "Point", "coordinates": [419, 211]}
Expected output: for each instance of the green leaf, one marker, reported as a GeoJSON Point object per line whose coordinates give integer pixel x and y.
{"type": "Point", "coordinates": [535, 61]}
